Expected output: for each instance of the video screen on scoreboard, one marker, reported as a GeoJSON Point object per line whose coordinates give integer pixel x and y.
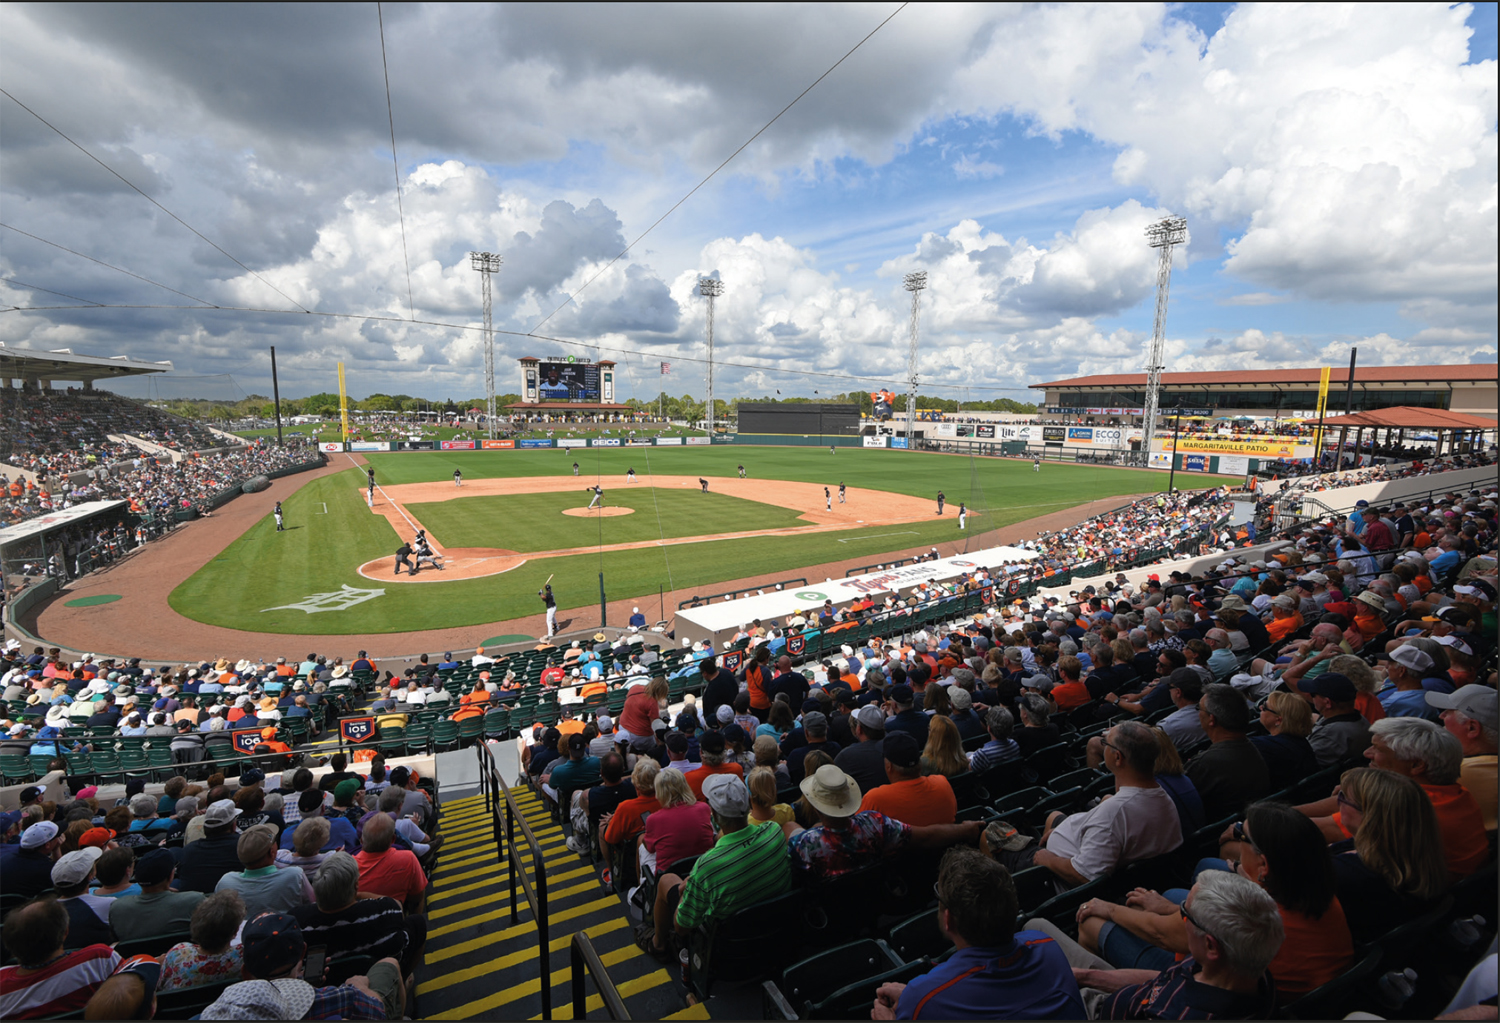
{"type": "Point", "coordinates": [568, 381]}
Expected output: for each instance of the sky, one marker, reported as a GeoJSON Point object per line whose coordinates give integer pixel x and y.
{"type": "Point", "coordinates": [1336, 163]}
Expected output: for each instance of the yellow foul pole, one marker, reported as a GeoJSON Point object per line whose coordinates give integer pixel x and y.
{"type": "Point", "coordinates": [344, 404]}
{"type": "Point", "coordinates": [1322, 411]}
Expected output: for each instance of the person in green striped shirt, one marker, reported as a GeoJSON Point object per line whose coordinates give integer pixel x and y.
{"type": "Point", "coordinates": [748, 863]}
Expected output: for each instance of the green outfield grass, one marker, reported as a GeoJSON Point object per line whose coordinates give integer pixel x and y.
{"type": "Point", "coordinates": [535, 522]}
{"type": "Point", "coordinates": [321, 552]}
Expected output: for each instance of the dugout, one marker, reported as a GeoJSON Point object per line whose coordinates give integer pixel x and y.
{"type": "Point", "coordinates": [824, 420]}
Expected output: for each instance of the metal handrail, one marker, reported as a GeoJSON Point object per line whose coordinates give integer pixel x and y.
{"type": "Point", "coordinates": [495, 792]}
{"type": "Point", "coordinates": [586, 959]}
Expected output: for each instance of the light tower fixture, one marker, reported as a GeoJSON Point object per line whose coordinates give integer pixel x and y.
{"type": "Point", "coordinates": [914, 282]}
{"type": "Point", "coordinates": [488, 264]}
{"type": "Point", "coordinates": [710, 288]}
{"type": "Point", "coordinates": [1164, 235]}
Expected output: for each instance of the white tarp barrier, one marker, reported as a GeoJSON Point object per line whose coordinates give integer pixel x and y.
{"type": "Point", "coordinates": [727, 616]}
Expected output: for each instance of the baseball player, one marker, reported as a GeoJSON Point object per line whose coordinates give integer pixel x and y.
{"type": "Point", "coordinates": [280, 526]}
{"type": "Point", "coordinates": [963, 514]}
{"type": "Point", "coordinates": [827, 499]}
{"type": "Point", "coordinates": [575, 468]}
{"type": "Point", "coordinates": [370, 472]}
{"type": "Point", "coordinates": [742, 472]}
{"type": "Point", "coordinates": [551, 604]}
{"type": "Point", "coordinates": [403, 555]}
{"type": "Point", "coordinates": [630, 475]}
{"type": "Point", "coordinates": [841, 493]}
{"type": "Point", "coordinates": [941, 499]}
{"type": "Point", "coordinates": [425, 553]}
{"type": "Point", "coordinates": [458, 477]}
{"type": "Point", "coordinates": [703, 483]}
{"type": "Point", "coordinates": [598, 501]}
{"type": "Point", "coordinates": [1036, 464]}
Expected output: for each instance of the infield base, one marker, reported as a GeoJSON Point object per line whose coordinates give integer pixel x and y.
{"type": "Point", "coordinates": [598, 513]}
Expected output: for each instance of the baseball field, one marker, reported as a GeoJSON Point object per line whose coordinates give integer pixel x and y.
{"type": "Point", "coordinates": [521, 517]}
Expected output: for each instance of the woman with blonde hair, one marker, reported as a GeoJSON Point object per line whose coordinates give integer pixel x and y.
{"type": "Point", "coordinates": [768, 755]}
{"type": "Point", "coordinates": [680, 828]}
{"type": "Point", "coordinates": [945, 751]}
{"type": "Point", "coordinates": [936, 703]}
{"type": "Point", "coordinates": [763, 805]}
{"type": "Point", "coordinates": [307, 844]}
{"type": "Point", "coordinates": [1365, 684]}
{"type": "Point", "coordinates": [1288, 755]}
{"type": "Point", "coordinates": [1393, 869]}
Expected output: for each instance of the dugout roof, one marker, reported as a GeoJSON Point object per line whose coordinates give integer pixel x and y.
{"type": "Point", "coordinates": [34, 365]}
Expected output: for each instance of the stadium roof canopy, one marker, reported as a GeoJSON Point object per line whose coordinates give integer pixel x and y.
{"type": "Point", "coordinates": [32, 365]}
{"type": "Point", "coordinates": [1404, 417]}
{"type": "Point", "coordinates": [1304, 375]}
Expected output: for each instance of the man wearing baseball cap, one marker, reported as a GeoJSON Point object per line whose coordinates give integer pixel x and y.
{"type": "Point", "coordinates": [1341, 734]}
{"type": "Point", "coordinates": [910, 798]}
{"type": "Point", "coordinates": [88, 915]}
{"type": "Point", "coordinates": [275, 988]}
{"type": "Point", "coordinates": [747, 863]}
{"type": "Point", "coordinates": [215, 854]}
{"type": "Point", "coordinates": [865, 760]}
{"type": "Point", "coordinates": [1470, 714]}
{"type": "Point", "coordinates": [157, 909]}
{"type": "Point", "coordinates": [29, 871]}
{"type": "Point", "coordinates": [1406, 697]}
{"type": "Point", "coordinates": [847, 838]}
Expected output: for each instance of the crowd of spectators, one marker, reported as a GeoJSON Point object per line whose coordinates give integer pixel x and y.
{"type": "Point", "coordinates": [227, 882]}
{"type": "Point", "coordinates": [152, 484]}
{"type": "Point", "coordinates": [1313, 479]}
{"type": "Point", "coordinates": [55, 433]}
{"type": "Point", "coordinates": [1367, 664]}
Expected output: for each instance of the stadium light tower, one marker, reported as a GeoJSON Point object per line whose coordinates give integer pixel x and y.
{"type": "Point", "coordinates": [1165, 234]}
{"type": "Point", "coordinates": [915, 283]}
{"type": "Point", "coordinates": [487, 263]}
{"type": "Point", "coordinates": [710, 288]}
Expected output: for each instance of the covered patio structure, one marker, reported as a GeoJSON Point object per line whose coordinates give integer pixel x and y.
{"type": "Point", "coordinates": [1461, 432]}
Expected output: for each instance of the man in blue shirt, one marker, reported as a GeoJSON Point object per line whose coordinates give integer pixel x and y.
{"type": "Point", "coordinates": [1406, 696]}
{"type": "Point", "coordinates": [995, 972]}
{"type": "Point", "coordinates": [637, 620]}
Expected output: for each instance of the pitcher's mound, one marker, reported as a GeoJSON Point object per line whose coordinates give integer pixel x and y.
{"type": "Point", "coordinates": [598, 513]}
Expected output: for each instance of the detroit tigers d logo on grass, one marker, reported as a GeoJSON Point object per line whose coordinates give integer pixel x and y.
{"type": "Point", "coordinates": [337, 600]}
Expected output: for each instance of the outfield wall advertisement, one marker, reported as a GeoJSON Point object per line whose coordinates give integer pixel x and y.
{"type": "Point", "coordinates": [458, 445]}
{"type": "Point", "coordinates": [874, 442]}
{"type": "Point", "coordinates": [533, 443]}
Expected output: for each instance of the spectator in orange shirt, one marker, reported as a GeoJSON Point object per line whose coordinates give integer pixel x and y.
{"type": "Point", "coordinates": [474, 703]}
{"type": "Point", "coordinates": [619, 829]}
{"type": "Point", "coordinates": [567, 724]}
{"type": "Point", "coordinates": [711, 749]}
{"type": "Point", "coordinates": [1286, 619]}
{"type": "Point", "coordinates": [1431, 756]}
{"type": "Point", "coordinates": [1369, 612]}
{"type": "Point", "coordinates": [910, 797]}
{"type": "Point", "coordinates": [269, 740]}
{"type": "Point", "coordinates": [284, 669]}
{"type": "Point", "coordinates": [1070, 693]}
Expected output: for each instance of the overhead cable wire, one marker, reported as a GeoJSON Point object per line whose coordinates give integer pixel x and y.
{"type": "Point", "coordinates": [572, 296]}
{"type": "Point", "coordinates": [111, 266]}
{"type": "Point", "coordinates": [38, 287]}
{"type": "Point", "coordinates": [137, 189]}
{"type": "Point", "coordinates": [391, 116]}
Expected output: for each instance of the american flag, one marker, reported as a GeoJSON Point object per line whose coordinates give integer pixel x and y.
{"type": "Point", "coordinates": [664, 367]}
